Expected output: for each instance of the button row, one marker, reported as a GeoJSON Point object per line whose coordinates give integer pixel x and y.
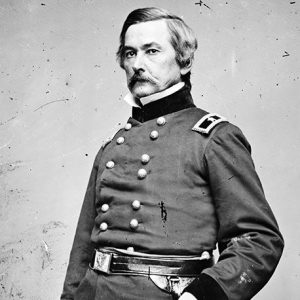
{"type": "Point", "coordinates": [141, 174]}
{"type": "Point", "coordinates": [145, 158]}
{"type": "Point", "coordinates": [153, 135]}
{"type": "Point", "coordinates": [134, 224]}
{"type": "Point", "coordinates": [161, 121]}
{"type": "Point", "coordinates": [136, 204]}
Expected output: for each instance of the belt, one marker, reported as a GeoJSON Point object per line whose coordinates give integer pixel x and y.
{"type": "Point", "coordinates": [116, 261]}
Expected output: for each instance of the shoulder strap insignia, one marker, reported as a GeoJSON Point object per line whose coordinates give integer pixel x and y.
{"type": "Point", "coordinates": [208, 122]}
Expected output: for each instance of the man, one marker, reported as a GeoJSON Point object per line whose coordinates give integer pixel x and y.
{"type": "Point", "coordinates": [170, 186]}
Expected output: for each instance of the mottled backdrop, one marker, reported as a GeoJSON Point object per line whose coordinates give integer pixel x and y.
{"type": "Point", "coordinates": [61, 94]}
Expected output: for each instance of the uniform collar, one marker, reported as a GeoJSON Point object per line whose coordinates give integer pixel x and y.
{"type": "Point", "coordinates": [178, 100]}
{"type": "Point", "coordinates": [145, 100]}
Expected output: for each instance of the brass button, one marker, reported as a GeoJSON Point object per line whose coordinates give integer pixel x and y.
{"type": "Point", "coordinates": [142, 173]}
{"type": "Point", "coordinates": [105, 207]}
{"type": "Point", "coordinates": [134, 224]}
{"type": "Point", "coordinates": [120, 140]}
{"type": "Point", "coordinates": [130, 249]}
{"type": "Point", "coordinates": [127, 126]}
{"type": "Point", "coordinates": [154, 135]}
{"type": "Point", "coordinates": [145, 158]}
{"type": "Point", "coordinates": [103, 226]}
{"type": "Point", "coordinates": [161, 121]}
{"type": "Point", "coordinates": [136, 204]}
{"type": "Point", "coordinates": [110, 164]}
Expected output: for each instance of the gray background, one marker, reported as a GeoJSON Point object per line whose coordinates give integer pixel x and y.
{"type": "Point", "coordinates": [61, 95]}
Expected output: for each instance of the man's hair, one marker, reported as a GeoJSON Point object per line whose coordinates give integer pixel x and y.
{"type": "Point", "coordinates": [182, 39]}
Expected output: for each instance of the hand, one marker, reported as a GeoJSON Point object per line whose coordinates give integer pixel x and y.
{"type": "Point", "coordinates": [187, 296]}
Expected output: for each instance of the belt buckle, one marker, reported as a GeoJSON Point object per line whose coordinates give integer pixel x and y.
{"type": "Point", "coordinates": [174, 285]}
{"type": "Point", "coordinates": [102, 261]}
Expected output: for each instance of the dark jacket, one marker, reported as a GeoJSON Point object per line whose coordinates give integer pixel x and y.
{"type": "Point", "coordinates": [200, 190]}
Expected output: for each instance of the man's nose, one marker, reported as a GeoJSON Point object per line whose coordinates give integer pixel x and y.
{"type": "Point", "coordinates": [138, 64]}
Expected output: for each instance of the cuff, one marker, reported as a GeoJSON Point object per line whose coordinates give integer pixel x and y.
{"type": "Point", "coordinates": [206, 288]}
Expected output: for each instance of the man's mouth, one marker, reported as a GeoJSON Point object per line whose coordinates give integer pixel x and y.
{"type": "Point", "coordinates": [137, 79]}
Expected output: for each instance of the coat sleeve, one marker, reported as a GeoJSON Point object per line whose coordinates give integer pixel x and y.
{"type": "Point", "coordinates": [249, 240]}
{"type": "Point", "coordinates": [82, 249]}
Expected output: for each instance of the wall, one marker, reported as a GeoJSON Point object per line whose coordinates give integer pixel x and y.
{"type": "Point", "coordinates": [61, 95]}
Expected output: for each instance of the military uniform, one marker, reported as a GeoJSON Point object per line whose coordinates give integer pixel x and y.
{"type": "Point", "coordinates": [169, 184]}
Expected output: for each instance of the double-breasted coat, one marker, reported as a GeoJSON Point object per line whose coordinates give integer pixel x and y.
{"type": "Point", "coordinates": [161, 187]}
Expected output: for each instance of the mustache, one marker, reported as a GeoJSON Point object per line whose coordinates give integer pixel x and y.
{"type": "Point", "coordinates": [137, 77]}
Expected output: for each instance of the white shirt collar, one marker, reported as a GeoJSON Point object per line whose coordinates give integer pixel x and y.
{"type": "Point", "coordinates": [145, 100]}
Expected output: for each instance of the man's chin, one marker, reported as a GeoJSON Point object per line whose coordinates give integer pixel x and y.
{"type": "Point", "coordinates": [140, 92]}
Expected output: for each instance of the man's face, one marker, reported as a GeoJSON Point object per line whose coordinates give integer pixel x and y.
{"type": "Point", "coordinates": [149, 59]}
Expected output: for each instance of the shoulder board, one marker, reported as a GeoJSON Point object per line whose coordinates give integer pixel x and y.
{"type": "Point", "coordinates": [208, 122]}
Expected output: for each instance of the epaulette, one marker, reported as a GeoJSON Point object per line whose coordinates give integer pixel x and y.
{"type": "Point", "coordinates": [208, 122]}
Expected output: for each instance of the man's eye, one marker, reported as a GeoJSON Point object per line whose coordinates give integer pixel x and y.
{"type": "Point", "coordinates": [152, 51]}
{"type": "Point", "coordinates": [129, 54]}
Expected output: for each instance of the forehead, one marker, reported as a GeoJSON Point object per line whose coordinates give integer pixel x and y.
{"type": "Point", "coordinates": [148, 32]}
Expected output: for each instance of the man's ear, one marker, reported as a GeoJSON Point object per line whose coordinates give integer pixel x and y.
{"type": "Point", "coordinates": [187, 67]}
